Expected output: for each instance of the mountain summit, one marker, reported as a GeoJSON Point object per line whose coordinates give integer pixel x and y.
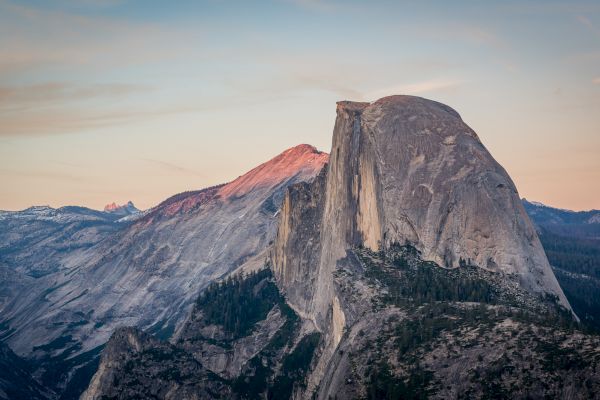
{"type": "Point", "coordinates": [299, 163]}
{"type": "Point", "coordinates": [303, 161]}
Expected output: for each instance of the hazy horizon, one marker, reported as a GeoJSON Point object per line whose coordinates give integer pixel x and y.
{"type": "Point", "coordinates": [101, 207]}
{"type": "Point", "coordinates": [107, 101]}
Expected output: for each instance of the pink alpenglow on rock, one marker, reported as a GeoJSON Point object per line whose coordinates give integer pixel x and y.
{"type": "Point", "coordinates": [127, 208]}
{"type": "Point", "coordinates": [302, 161]}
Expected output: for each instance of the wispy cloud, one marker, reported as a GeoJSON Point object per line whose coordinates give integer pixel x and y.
{"type": "Point", "coordinates": [596, 81]}
{"type": "Point", "coordinates": [586, 22]}
{"type": "Point", "coordinates": [67, 164]}
{"type": "Point", "coordinates": [55, 94]}
{"type": "Point", "coordinates": [537, 8]}
{"type": "Point", "coordinates": [316, 5]}
{"type": "Point", "coordinates": [171, 167]}
{"type": "Point", "coordinates": [583, 57]}
{"type": "Point", "coordinates": [415, 88]}
{"type": "Point", "coordinates": [34, 38]}
{"type": "Point", "coordinates": [94, 3]}
{"type": "Point", "coordinates": [476, 34]}
{"type": "Point", "coordinates": [57, 107]}
{"type": "Point", "coordinates": [73, 120]}
{"type": "Point", "coordinates": [35, 41]}
{"type": "Point", "coordinates": [453, 31]}
{"type": "Point", "coordinates": [327, 83]}
{"type": "Point", "coordinates": [46, 175]}
{"type": "Point", "coordinates": [452, 34]}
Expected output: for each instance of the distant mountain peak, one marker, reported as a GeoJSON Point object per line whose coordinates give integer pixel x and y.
{"type": "Point", "coordinates": [111, 207]}
{"type": "Point", "coordinates": [544, 215]}
{"type": "Point", "coordinates": [540, 204]}
{"type": "Point", "coordinates": [125, 209]}
{"type": "Point", "coordinates": [535, 203]}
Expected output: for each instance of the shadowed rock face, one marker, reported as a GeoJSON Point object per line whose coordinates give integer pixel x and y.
{"type": "Point", "coordinates": [16, 381]}
{"type": "Point", "coordinates": [404, 170]}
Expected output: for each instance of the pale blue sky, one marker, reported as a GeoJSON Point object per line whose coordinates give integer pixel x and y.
{"type": "Point", "coordinates": [111, 100]}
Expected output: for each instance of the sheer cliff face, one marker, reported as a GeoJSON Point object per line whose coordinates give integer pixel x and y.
{"type": "Point", "coordinates": [406, 170]}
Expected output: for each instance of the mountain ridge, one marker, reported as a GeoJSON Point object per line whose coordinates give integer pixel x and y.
{"type": "Point", "coordinates": [147, 272]}
{"type": "Point", "coordinates": [554, 215]}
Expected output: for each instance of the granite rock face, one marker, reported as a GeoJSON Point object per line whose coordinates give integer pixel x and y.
{"type": "Point", "coordinates": [403, 170]}
{"type": "Point", "coordinates": [408, 170]}
{"type": "Point", "coordinates": [437, 187]}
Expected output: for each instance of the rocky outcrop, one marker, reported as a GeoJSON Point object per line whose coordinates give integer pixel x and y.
{"type": "Point", "coordinates": [130, 352]}
{"type": "Point", "coordinates": [403, 170]}
{"type": "Point", "coordinates": [412, 329]}
{"type": "Point", "coordinates": [297, 248]}
{"type": "Point", "coordinates": [241, 341]}
{"type": "Point", "coordinates": [417, 330]}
